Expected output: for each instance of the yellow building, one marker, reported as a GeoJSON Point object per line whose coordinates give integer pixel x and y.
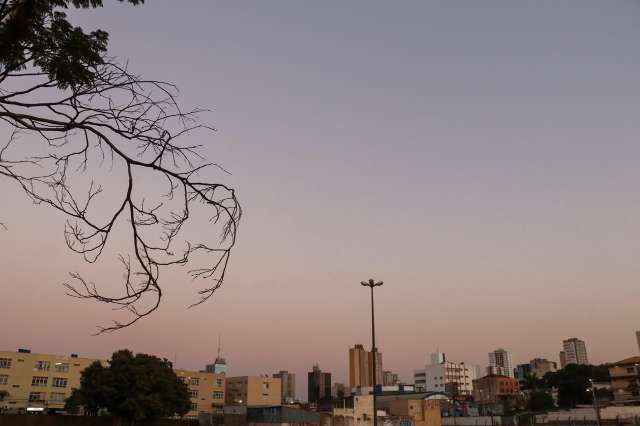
{"type": "Point", "coordinates": [206, 391]}
{"type": "Point", "coordinates": [42, 382]}
{"type": "Point", "coordinates": [422, 412]}
{"type": "Point", "coordinates": [253, 391]}
{"type": "Point", "coordinates": [361, 367]}
{"type": "Point", "coordinates": [39, 382]}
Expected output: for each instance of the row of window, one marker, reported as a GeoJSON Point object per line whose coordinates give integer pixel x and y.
{"type": "Point", "coordinates": [195, 381]}
{"type": "Point", "coordinates": [193, 393]}
{"type": "Point", "coordinates": [58, 367]}
{"type": "Point", "coordinates": [57, 382]}
{"type": "Point", "coordinates": [41, 396]}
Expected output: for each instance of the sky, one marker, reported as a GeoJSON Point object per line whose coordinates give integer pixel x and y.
{"type": "Point", "coordinates": [481, 158]}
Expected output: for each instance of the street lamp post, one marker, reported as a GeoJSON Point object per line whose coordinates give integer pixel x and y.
{"type": "Point", "coordinates": [595, 401]}
{"type": "Point", "coordinates": [371, 284]}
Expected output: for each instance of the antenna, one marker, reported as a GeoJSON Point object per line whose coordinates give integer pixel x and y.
{"type": "Point", "coordinates": [219, 345]}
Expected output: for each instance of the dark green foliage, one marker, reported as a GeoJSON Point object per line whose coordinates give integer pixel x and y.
{"type": "Point", "coordinates": [540, 401]}
{"type": "Point", "coordinates": [133, 387]}
{"type": "Point", "coordinates": [38, 31]}
{"type": "Point", "coordinates": [532, 382]}
{"type": "Point", "coordinates": [573, 383]}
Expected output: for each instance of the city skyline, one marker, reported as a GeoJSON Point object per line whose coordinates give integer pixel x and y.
{"type": "Point", "coordinates": [482, 161]}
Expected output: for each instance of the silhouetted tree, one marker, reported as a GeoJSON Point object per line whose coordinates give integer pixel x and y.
{"type": "Point", "coordinates": [133, 387]}
{"type": "Point", "coordinates": [73, 114]}
{"type": "Point", "coordinates": [573, 383]}
{"type": "Point", "coordinates": [540, 401]}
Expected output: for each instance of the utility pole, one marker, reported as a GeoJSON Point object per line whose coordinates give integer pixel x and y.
{"type": "Point", "coordinates": [371, 284]}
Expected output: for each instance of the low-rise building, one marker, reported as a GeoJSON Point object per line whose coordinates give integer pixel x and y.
{"type": "Point", "coordinates": [492, 392]}
{"type": "Point", "coordinates": [445, 376]}
{"type": "Point", "coordinates": [206, 391]}
{"type": "Point", "coordinates": [625, 380]}
{"type": "Point", "coordinates": [39, 382]}
{"type": "Point", "coordinates": [253, 391]}
{"type": "Point", "coordinates": [420, 412]}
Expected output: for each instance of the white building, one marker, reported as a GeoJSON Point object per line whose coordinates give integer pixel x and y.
{"type": "Point", "coordinates": [446, 376]}
{"type": "Point", "coordinates": [500, 363]}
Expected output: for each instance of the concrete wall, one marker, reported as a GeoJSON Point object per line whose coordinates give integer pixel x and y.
{"type": "Point", "coordinates": [472, 421]}
{"type": "Point", "coordinates": [43, 420]}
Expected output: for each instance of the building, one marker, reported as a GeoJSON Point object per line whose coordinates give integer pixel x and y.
{"type": "Point", "coordinates": [288, 386]}
{"type": "Point", "coordinates": [42, 382]}
{"type": "Point", "coordinates": [638, 339]}
{"type": "Point", "coordinates": [361, 367]}
{"type": "Point", "coordinates": [319, 386]}
{"type": "Point", "coordinates": [390, 379]}
{"type": "Point", "coordinates": [220, 364]}
{"type": "Point", "coordinates": [625, 380]}
{"type": "Point", "coordinates": [500, 363]}
{"type": "Point", "coordinates": [39, 382]}
{"type": "Point", "coordinates": [420, 412]}
{"type": "Point", "coordinates": [445, 376]}
{"type": "Point", "coordinates": [206, 391]}
{"type": "Point", "coordinates": [574, 351]}
{"type": "Point", "coordinates": [542, 366]}
{"type": "Point", "coordinates": [493, 391]}
{"type": "Point", "coordinates": [522, 371]}
{"type": "Point", "coordinates": [339, 391]}
{"type": "Point", "coordinates": [357, 411]}
{"type": "Point", "coordinates": [253, 391]}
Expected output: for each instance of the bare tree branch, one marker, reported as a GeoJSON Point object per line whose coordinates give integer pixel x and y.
{"type": "Point", "coordinates": [137, 125]}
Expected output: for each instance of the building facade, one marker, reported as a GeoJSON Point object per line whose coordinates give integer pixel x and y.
{"type": "Point", "coordinates": [500, 363]}
{"type": "Point", "coordinates": [390, 378]}
{"type": "Point", "coordinates": [574, 351]}
{"type": "Point", "coordinates": [288, 386]}
{"type": "Point", "coordinates": [206, 391]}
{"type": "Point", "coordinates": [253, 391]}
{"type": "Point", "coordinates": [542, 366]}
{"type": "Point", "coordinates": [638, 339]}
{"type": "Point", "coordinates": [319, 385]}
{"type": "Point", "coordinates": [445, 376]}
{"type": "Point", "coordinates": [625, 380]}
{"type": "Point", "coordinates": [492, 391]}
{"type": "Point", "coordinates": [39, 382]}
{"type": "Point", "coordinates": [361, 367]}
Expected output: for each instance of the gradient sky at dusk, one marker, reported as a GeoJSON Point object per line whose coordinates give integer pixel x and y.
{"type": "Point", "coordinates": [482, 158]}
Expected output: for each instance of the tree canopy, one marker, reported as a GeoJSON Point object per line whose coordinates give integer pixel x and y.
{"type": "Point", "coordinates": [133, 387]}
{"type": "Point", "coordinates": [573, 383]}
{"type": "Point", "coordinates": [86, 136]}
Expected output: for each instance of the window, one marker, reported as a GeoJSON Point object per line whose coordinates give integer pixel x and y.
{"type": "Point", "coordinates": [43, 365]}
{"type": "Point", "coordinates": [59, 382]}
{"type": "Point", "coordinates": [193, 393]}
{"type": "Point", "coordinates": [194, 406]}
{"type": "Point", "coordinates": [4, 379]}
{"type": "Point", "coordinates": [36, 396]}
{"type": "Point", "coordinates": [218, 395]}
{"type": "Point", "coordinates": [39, 381]}
{"type": "Point", "coordinates": [61, 367]}
{"type": "Point", "coordinates": [219, 383]}
{"type": "Point", "coordinates": [195, 381]}
{"type": "Point", "coordinates": [57, 397]}
{"type": "Point", "coordinates": [5, 362]}
{"type": "Point", "coordinates": [630, 370]}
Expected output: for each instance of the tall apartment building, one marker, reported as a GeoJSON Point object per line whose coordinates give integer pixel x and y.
{"type": "Point", "coordinates": [361, 367]}
{"type": "Point", "coordinates": [253, 391]}
{"type": "Point", "coordinates": [319, 385]}
{"type": "Point", "coordinates": [206, 391]}
{"type": "Point", "coordinates": [445, 376]}
{"type": "Point", "coordinates": [288, 394]}
{"type": "Point", "coordinates": [39, 382]}
{"type": "Point", "coordinates": [500, 363]}
{"type": "Point", "coordinates": [574, 351]}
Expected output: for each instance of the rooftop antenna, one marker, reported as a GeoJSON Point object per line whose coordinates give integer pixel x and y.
{"type": "Point", "coordinates": [219, 345]}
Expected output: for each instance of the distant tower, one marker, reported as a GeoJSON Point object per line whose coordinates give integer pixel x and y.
{"type": "Point", "coordinates": [575, 352]}
{"type": "Point", "coordinates": [220, 365]}
{"type": "Point", "coordinates": [638, 339]}
{"type": "Point", "coordinates": [500, 363]}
